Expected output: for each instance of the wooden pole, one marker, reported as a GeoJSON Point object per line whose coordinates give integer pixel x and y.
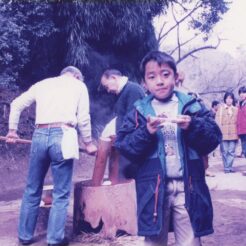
{"type": "Point", "coordinates": [27, 141]}
{"type": "Point", "coordinates": [18, 140]}
{"type": "Point", "coordinates": [103, 151]}
{"type": "Point", "coordinates": [114, 166]}
{"type": "Point", "coordinates": [106, 152]}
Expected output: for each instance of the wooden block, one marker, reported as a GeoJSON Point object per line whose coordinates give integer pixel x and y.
{"type": "Point", "coordinates": [44, 209]}
{"type": "Point", "coordinates": [107, 209]}
{"type": "Point", "coordinates": [42, 221]}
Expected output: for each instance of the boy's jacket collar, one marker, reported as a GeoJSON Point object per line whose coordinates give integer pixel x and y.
{"type": "Point", "coordinates": [186, 101]}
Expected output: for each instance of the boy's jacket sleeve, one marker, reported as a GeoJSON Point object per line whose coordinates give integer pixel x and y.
{"type": "Point", "coordinates": [203, 134]}
{"type": "Point", "coordinates": [133, 139]}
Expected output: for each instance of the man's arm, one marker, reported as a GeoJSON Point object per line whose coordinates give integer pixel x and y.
{"type": "Point", "coordinates": [16, 107]}
{"type": "Point", "coordinates": [84, 120]}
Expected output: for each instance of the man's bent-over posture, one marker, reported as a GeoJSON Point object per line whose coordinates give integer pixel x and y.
{"type": "Point", "coordinates": [62, 103]}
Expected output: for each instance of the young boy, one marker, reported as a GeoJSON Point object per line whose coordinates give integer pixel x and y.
{"type": "Point", "coordinates": [170, 184]}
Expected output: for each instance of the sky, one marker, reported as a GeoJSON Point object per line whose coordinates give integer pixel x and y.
{"type": "Point", "coordinates": [232, 27]}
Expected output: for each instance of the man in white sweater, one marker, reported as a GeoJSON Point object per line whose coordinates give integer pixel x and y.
{"type": "Point", "coordinates": [62, 103]}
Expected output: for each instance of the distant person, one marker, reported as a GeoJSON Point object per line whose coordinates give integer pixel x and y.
{"type": "Point", "coordinates": [214, 108]}
{"type": "Point", "coordinates": [226, 117]}
{"type": "Point", "coordinates": [241, 118]}
{"type": "Point", "coordinates": [62, 103]}
{"type": "Point", "coordinates": [166, 135]}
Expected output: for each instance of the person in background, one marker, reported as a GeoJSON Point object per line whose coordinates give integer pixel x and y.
{"type": "Point", "coordinates": [214, 108]}
{"type": "Point", "coordinates": [166, 135]}
{"type": "Point", "coordinates": [62, 103]}
{"type": "Point", "coordinates": [127, 94]}
{"type": "Point", "coordinates": [226, 118]}
{"type": "Point", "coordinates": [241, 119]}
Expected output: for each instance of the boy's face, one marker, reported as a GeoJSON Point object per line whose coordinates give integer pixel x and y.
{"type": "Point", "coordinates": [110, 84]}
{"type": "Point", "coordinates": [159, 79]}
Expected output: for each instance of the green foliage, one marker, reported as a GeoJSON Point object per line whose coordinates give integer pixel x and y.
{"type": "Point", "coordinates": [38, 38]}
{"type": "Point", "coordinates": [23, 25]}
{"type": "Point", "coordinates": [211, 13]}
{"type": "Point", "coordinates": [13, 47]}
{"type": "Point", "coordinates": [112, 23]}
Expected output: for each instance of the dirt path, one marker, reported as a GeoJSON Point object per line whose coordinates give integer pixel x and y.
{"type": "Point", "coordinates": [229, 200]}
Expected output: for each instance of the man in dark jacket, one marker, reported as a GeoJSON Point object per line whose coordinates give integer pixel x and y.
{"type": "Point", "coordinates": [127, 94]}
{"type": "Point", "coordinates": [166, 136]}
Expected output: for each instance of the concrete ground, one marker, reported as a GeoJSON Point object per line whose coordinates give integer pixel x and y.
{"type": "Point", "coordinates": [228, 193]}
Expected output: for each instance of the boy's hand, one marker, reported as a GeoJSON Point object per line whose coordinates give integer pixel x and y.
{"type": "Point", "coordinates": [183, 121]}
{"type": "Point", "coordinates": [153, 124]}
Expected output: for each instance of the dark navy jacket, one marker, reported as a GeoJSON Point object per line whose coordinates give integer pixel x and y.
{"type": "Point", "coordinates": [130, 93]}
{"type": "Point", "coordinates": [147, 152]}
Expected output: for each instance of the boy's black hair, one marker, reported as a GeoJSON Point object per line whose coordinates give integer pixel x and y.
{"type": "Point", "coordinates": [242, 89]}
{"type": "Point", "coordinates": [161, 58]}
{"type": "Point", "coordinates": [214, 103]}
{"type": "Point", "coordinates": [230, 94]}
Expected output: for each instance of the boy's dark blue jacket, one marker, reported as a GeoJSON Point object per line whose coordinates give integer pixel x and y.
{"type": "Point", "coordinates": [147, 152]}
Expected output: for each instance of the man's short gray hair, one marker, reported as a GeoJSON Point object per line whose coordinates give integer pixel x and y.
{"type": "Point", "coordinates": [74, 71]}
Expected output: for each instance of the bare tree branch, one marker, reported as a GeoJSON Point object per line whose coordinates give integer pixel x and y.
{"type": "Point", "coordinates": [160, 33]}
{"type": "Point", "coordinates": [184, 43]}
{"type": "Point", "coordinates": [198, 5]}
{"type": "Point", "coordinates": [198, 49]}
{"type": "Point", "coordinates": [219, 91]}
{"type": "Point", "coordinates": [178, 36]}
{"type": "Point", "coordinates": [181, 5]}
{"type": "Point", "coordinates": [241, 80]}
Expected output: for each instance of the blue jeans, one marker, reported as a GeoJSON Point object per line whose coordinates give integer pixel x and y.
{"type": "Point", "coordinates": [243, 143]}
{"type": "Point", "coordinates": [45, 152]}
{"type": "Point", "coordinates": [227, 148]}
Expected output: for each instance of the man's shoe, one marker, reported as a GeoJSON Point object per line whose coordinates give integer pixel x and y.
{"type": "Point", "coordinates": [25, 242]}
{"type": "Point", "coordinates": [64, 242]}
